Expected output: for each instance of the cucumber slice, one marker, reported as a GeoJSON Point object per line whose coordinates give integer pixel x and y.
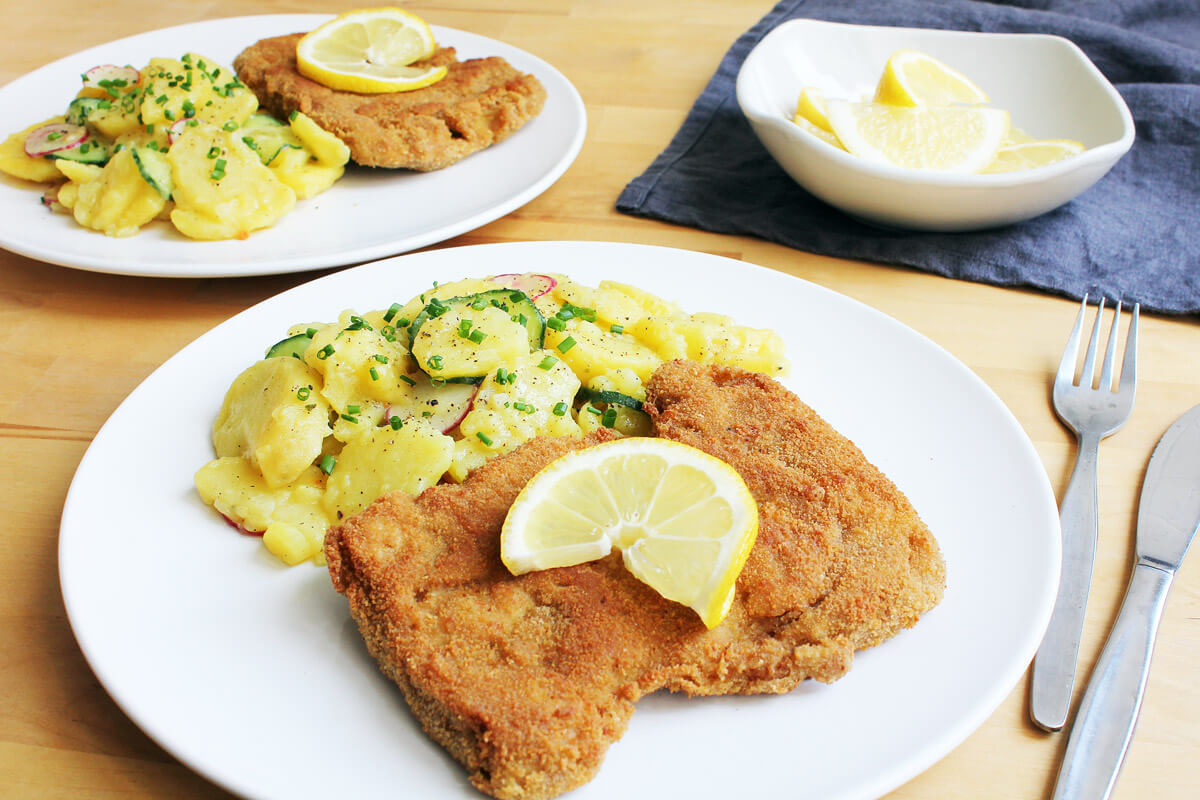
{"type": "Point", "coordinates": [155, 170]}
{"type": "Point", "coordinates": [291, 346]}
{"type": "Point", "coordinates": [81, 108]}
{"type": "Point", "coordinates": [267, 137]}
{"type": "Point", "coordinates": [608, 397]}
{"type": "Point", "coordinates": [91, 151]}
{"type": "Point", "coordinates": [515, 302]}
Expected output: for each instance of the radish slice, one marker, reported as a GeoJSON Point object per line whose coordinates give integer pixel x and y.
{"type": "Point", "coordinates": [50, 199]}
{"type": "Point", "coordinates": [238, 527]}
{"type": "Point", "coordinates": [533, 284]}
{"type": "Point", "coordinates": [110, 75]}
{"type": "Point", "coordinates": [176, 130]}
{"type": "Point", "coordinates": [446, 405]}
{"type": "Point", "coordinates": [54, 137]}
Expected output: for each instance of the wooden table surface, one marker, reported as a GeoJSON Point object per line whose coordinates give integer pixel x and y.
{"type": "Point", "coordinates": [75, 343]}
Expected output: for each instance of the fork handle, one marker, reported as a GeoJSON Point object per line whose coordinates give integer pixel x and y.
{"type": "Point", "coordinates": [1109, 710]}
{"type": "Point", "coordinates": [1054, 664]}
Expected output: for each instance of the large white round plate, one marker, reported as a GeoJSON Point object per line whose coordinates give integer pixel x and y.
{"type": "Point", "coordinates": [368, 214]}
{"type": "Point", "coordinates": [245, 670]}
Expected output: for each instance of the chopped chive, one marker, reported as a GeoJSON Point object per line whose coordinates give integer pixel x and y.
{"type": "Point", "coordinates": [617, 329]}
{"type": "Point", "coordinates": [310, 332]}
{"type": "Point", "coordinates": [501, 375]}
{"type": "Point", "coordinates": [327, 464]}
{"type": "Point", "coordinates": [464, 328]}
{"type": "Point", "coordinates": [303, 393]}
{"type": "Point", "coordinates": [593, 410]}
{"type": "Point", "coordinates": [483, 437]}
{"type": "Point", "coordinates": [374, 373]}
{"type": "Point", "coordinates": [396, 423]}
{"type": "Point", "coordinates": [521, 405]}
{"type": "Point", "coordinates": [477, 336]}
{"type": "Point", "coordinates": [517, 297]}
{"type": "Point", "coordinates": [566, 344]}
{"type": "Point", "coordinates": [325, 352]}
{"type": "Point", "coordinates": [560, 409]}
{"type": "Point", "coordinates": [382, 359]}
{"type": "Point", "coordinates": [349, 418]}
{"type": "Point", "coordinates": [229, 126]}
{"type": "Point", "coordinates": [479, 304]}
{"type": "Point", "coordinates": [408, 380]}
{"type": "Point", "coordinates": [353, 408]}
{"type": "Point", "coordinates": [403, 322]}
{"type": "Point", "coordinates": [548, 363]}
{"type": "Point", "coordinates": [565, 314]}
{"type": "Point", "coordinates": [434, 362]}
{"type": "Point", "coordinates": [150, 128]}
{"type": "Point", "coordinates": [610, 418]}
{"type": "Point", "coordinates": [426, 413]}
{"type": "Point", "coordinates": [214, 151]}
{"type": "Point", "coordinates": [292, 116]}
{"type": "Point", "coordinates": [554, 323]}
{"type": "Point", "coordinates": [393, 309]}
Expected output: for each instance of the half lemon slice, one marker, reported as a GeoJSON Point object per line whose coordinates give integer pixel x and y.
{"type": "Point", "coordinates": [911, 78]}
{"type": "Point", "coordinates": [369, 51]}
{"type": "Point", "coordinates": [943, 138]}
{"type": "Point", "coordinates": [1031, 154]}
{"type": "Point", "coordinates": [683, 520]}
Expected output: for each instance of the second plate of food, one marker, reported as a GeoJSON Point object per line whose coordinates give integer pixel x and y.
{"type": "Point", "coordinates": [243, 668]}
{"type": "Point", "coordinates": [369, 213]}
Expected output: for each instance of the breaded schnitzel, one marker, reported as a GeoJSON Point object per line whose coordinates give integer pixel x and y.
{"type": "Point", "coordinates": [527, 680]}
{"type": "Point", "coordinates": [480, 102]}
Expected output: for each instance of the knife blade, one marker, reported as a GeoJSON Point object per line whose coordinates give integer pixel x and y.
{"type": "Point", "coordinates": [1168, 516]}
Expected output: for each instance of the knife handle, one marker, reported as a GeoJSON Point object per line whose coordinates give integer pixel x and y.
{"type": "Point", "coordinates": [1054, 665]}
{"type": "Point", "coordinates": [1109, 710]}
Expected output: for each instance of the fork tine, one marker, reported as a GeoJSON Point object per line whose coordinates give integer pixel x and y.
{"type": "Point", "coordinates": [1088, 374]}
{"type": "Point", "coordinates": [1110, 351]}
{"type": "Point", "coordinates": [1129, 359]}
{"type": "Point", "coordinates": [1066, 368]}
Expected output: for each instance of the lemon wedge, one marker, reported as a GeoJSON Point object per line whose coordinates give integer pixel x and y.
{"type": "Point", "coordinates": [811, 106]}
{"type": "Point", "coordinates": [683, 520]}
{"type": "Point", "coordinates": [942, 138]}
{"type": "Point", "coordinates": [912, 78]}
{"type": "Point", "coordinates": [369, 51]}
{"type": "Point", "coordinates": [1028, 155]}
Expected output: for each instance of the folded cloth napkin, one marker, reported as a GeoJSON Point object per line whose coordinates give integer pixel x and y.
{"type": "Point", "coordinates": [1134, 236]}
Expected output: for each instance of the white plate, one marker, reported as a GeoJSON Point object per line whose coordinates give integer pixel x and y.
{"type": "Point", "coordinates": [247, 671]}
{"type": "Point", "coordinates": [368, 214]}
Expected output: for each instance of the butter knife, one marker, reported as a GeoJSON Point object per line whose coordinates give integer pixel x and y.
{"type": "Point", "coordinates": [1168, 515]}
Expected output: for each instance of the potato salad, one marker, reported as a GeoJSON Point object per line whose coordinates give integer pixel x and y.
{"type": "Point", "coordinates": [178, 140]}
{"type": "Point", "coordinates": [399, 399]}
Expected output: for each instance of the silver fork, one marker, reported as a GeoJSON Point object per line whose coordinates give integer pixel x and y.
{"type": "Point", "coordinates": [1093, 414]}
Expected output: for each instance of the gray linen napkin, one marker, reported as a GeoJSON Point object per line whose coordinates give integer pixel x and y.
{"type": "Point", "coordinates": [1134, 236]}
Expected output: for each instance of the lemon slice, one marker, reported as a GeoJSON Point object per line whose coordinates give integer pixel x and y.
{"type": "Point", "coordinates": [820, 133]}
{"type": "Point", "coordinates": [369, 51]}
{"type": "Point", "coordinates": [942, 138]}
{"type": "Point", "coordinates": [811, 106]}
{"type": "Point", "coordinates": [1028, 155]}
{"type": "Point", "coordinates": [912, 78]}
{"type": "Point", "coordinates": [683, 520]}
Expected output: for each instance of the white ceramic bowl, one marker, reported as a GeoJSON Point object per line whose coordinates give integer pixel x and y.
{"type": "Point", "coordinates": [1047, 84]}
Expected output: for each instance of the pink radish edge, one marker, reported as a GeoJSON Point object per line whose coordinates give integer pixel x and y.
{"type": "Point", "coordinates": [533, 284]}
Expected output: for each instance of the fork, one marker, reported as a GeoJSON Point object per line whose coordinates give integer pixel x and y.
{"type": "Point", "coordinates": [1093, 414]}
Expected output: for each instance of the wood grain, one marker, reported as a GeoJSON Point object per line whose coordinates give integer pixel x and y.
{"type": "Point", "coordinates": [74, 344]}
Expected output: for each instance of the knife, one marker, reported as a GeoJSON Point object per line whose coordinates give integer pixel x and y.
{"type": "Point", "coordinates": [1168, 515]}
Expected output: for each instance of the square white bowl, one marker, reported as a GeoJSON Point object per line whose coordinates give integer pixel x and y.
{"type": "Point", "coordinates": [1048, 85]}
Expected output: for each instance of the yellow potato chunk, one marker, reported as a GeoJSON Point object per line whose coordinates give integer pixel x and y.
{"type": "Point", "coordinates": [612, 307]}
{"type": "Point", "coordinates": [506, 415]}
{"type": "Point", "coordinates": [443, 350]}
{"type": "Point", "coordinates": [360, 370]}
{"type": "Point", "coordinates": [116, 201]}
{"type": "Point", "coordinates": [293, 514]}
{"type": "Point", "coordinates": [713, 339]}
{"type": "Point", "coordinates": [14, 161]}
{"type": "Point", "coordinates": [120, 119]}
{"type": "Point", "coordinates": [598, 352]}
{"type": "Point", "coordinates": [274, 416]}
{"type": "Point", "coordinates": [440, 291]}
{"type": "Point", "coordinates": [386, 460]}
{"type": "Point", "coordinates": [315, 168]}
{"type": "Point", "coordinates": [623, 380]}
{"type": "Point", "coordinates": [653, 304]}
{"type": "Point", "coordinates": [202, 89]}
{"type": "Point", "coordinates": [222, 190]}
